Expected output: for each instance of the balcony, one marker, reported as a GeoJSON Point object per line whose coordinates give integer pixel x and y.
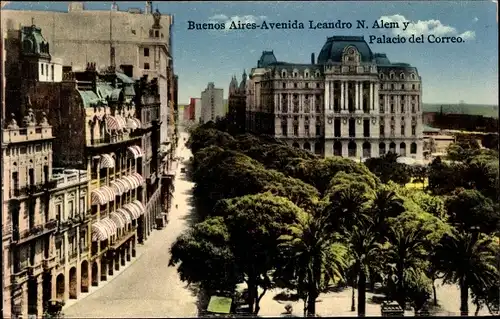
{"type": "Point", "coordinates": [35, 270]}
{"type": "Point", "coordinates": [19, 277]}
{"type": "Point", "coordinates": [49, 263]}
{"type": "Point", "coordinates": [32, 233]}
{"type": "Point", "coordinates": [72, 255]}
{"type": "Point", "coordinates": [98, 142]}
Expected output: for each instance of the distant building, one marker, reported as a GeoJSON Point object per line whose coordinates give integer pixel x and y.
{"type": "Point", "coordinates": [212, 104]}
{"type": "Point", "coordinates": [197, 110]}
{"type": "Point", "coordinates": [237, 102]}
{"type": "Point", "coordinates": [351, 102]}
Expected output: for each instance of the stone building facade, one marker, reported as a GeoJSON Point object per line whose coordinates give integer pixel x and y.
{"type": "Point", "coordinates": [351, 102]}
{"type": "Point", "coordinates": [71, 227]}
{"type": "Point", "coordinates": [237, 103]}
{"type": "Point", "coordinates": [137, 42]}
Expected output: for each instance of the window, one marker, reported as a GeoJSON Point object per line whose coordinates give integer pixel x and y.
{"type": "Point", "coordinates": [71, 209]}
{"type": "Point", "coordinates": [413, 130]}
{"type": "Point", "coordinates": [391, 76]}
{"type": "Point", "coordinates": [59, 212]}
{"type": "Point", "coordinates": [392, 86]}
{"type": "Point", "coordinates": [402, 76]}
{"type": "Point", "coordinates": [31, 176]}
{"type": "Point", "coordinates": [146, 51]}
{"type": "Point", "coordinates": [284, 127]}
{"type": "Point", "coordinates": [295, 130]}
{"type": "Point", "coordinates": [82, 206]}
{"type": "Point", "coordinates": [283, 74]}
{"type": "Point", "coordinates": [366, 128]}
{"type": "Point", "coordinates": [402, 86]}
{"type": "Point", "coordinates": [352, 127]}
{"type": "Point", "coordinates": [52, 72]}
{"type": "Point", "coordinates": [402, 130]}
{"type": "Point", "coordinates": [157, 34]}
{"type": "Point", "coordinates": [15, 183]}
{"type": "Point", "coordinates": [306, 129]}
{"type": "Point", "coordinates": [402, 108]}
{"type": "Point", "coordinates": [413, 148]}
{"type": "Point", "coordinates": [146, 66]}
{"type": "Point", "coordinates": [41, 68]}
{"type": "Point", "coordinates": [45, 173]}
{"type": "Point", "coordinates": [381, 86]}
{"type": "Point", "coordinates": [382, 130]}
{"type": "Point", "coordinates": [284, 85]}
{"type": "Point", "coordinates": [307, 85]}
{"type": "Point", "coordinates": [47, 69]}
{"type": "Point", "coordinates": [336, 127]}
{"type": "Point", "coordinates": [295, 85]}
{"type": "Point", "coordinates": [317, 85]}
{"type": "Point", "coordinates": [392, 108]}
{"type": "Point", "coordinates": [413, 86]}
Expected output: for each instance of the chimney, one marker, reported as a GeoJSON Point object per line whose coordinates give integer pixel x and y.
{"type": "Point", "coordinates": [312, 58]}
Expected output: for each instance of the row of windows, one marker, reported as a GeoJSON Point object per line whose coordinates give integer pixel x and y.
{"type": "Point", "coordinates": [47, 70]}
{"type": "Point", "coordinates": [352, 148]}
{"type": "Point", "coordinates": [296, 74]}
{"type": "Point", "coordinates": [402, 76]}
{"type": "Point", "coordinates": [336, 85]}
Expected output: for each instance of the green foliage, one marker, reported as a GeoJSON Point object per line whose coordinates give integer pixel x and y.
{"type": "Point", "coordinates": [204, 256]}
{"type": "Point", "coordinates": [386, 168]}
{"type": "Point", "coordinates": [201, 138]}
{"type": "Point", "coordinates": [469, 208]}
{"type": "Point", "coordinates": [464, 148]}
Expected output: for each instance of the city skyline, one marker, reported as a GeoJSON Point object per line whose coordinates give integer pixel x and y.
{"type": "Point", "coordinates": [450, 72]}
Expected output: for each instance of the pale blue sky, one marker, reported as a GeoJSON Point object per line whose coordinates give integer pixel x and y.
{"type": "Point", "coordinates": [450, 72]}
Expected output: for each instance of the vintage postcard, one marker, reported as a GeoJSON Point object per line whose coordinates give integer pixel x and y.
{"type": "Point", "coordinates": [264, 158]}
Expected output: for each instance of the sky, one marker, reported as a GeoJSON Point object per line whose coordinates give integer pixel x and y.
{"type": "Point", "coordinates": [451, 72]}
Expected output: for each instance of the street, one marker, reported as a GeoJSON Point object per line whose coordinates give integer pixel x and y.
{"type": "Point", "coordinates": [148, 287]}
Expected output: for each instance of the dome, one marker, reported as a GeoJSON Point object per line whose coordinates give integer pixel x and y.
{"type": "Point", "coordinates": [266, 59]}
{"type": "Point", "coordinates": [334, 48]}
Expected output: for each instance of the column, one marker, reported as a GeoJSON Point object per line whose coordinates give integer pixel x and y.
{"type": "Point", "coordinates": [116, 260]}
{"type": "Point", "coordinates": [327, 95]}
{"type": "Point", "coordinates": [39, 297]}
{"type": "Point", "coordinates": [122, 257]}
{"type": "Point", "coordinates": [342, 104]}
{"type": "Point", "coordinates": [356, 98]}
{"type": "Point", "coordinates": [110, 267]}
{"type": "Point", "coordinates": [346, 95]}
{"type": "Point", "coordinates": [361, 95]}
{"type": "Point", "coordinates": [371, 96]}
{"type": "Point", "coordinates": [376, 97]}
{"type": "Point", "coordinates": [127, 250]}
{"type": "Point", "coordinates": [332, 97]}
{"type": "Point", "coordinates": [24, 299]}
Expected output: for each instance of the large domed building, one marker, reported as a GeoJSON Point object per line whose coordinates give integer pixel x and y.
{"type": "Point", "coordinates": [351, 102]}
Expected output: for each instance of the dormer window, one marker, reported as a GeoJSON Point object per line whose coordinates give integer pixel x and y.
{"type": "Point", "coordinates": [317, 74]}
{"type": "Point", "coordinates": [283, 74]}
{"type": "Point", "coordinates": [381, 76]}
{"type": "Point", "coordinates": [294, 74]}
{"type": "Point", "coordinates": [402, 76]}
{"type": "Point", "coordinates": [391, 76]}
{"type": "Point", "coordinates": [412, 76]}
{"type": "Point", "coordinates": [307, 75]}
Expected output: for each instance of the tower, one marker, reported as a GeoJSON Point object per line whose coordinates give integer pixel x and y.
{"type": "Point", "coordinates": [149, 7]}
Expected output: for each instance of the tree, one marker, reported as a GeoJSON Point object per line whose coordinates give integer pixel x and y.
{"type": "Point", "coordinates": [202, 137]}
{"type": "Point", "coordinates": [385, 204]}
{"type": "Point", "coordinates": [204, 256]}
{"type": "Point", "coordinates": [464, 147]}
{"type": "Point", "coordinates": [362, 243]}
{"type": "Point", "coordinates": [386, 168]}
{"type": "Point", "coordinates": [255, 223]}
{"type": "Point", "coordinates": [467, 259]}
{"type": "Point", "coordinates": [469, 208]}
{"type": "Point", "coordinates": [316, 260]}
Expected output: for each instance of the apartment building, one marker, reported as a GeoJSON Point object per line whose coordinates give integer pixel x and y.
{"type": "Point", "coordinates": [212, 103]}
{"type": "Point", "coordinates": [351, 102]}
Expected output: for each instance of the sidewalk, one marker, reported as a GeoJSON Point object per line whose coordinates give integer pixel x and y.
{"type": "Point", "coordinates": [140, 250]}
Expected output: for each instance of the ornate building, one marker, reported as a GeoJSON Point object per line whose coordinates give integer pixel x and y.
{"type": "Point", "coordinates": [71, 227]}
{"type": "Point", "coordinates": [237, 103]}
{"type": "Point", "coordinates": [351, 102]}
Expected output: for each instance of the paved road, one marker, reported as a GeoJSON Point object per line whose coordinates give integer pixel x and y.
{"type": "Point", "coordinates": [148, 287]}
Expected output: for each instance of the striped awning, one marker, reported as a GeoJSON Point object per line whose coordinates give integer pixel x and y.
{"type": "Point", "coordinates": [140, 205]}
{"type": "Point", "coordinates": [139, 150]}
{"type": "Point", "coordinates": [107, 161]}
{"type": "Point", "coordinates": [136, 181]}
{"type": "Point", "coordinates": [121, 121]}
{"type": "Point", "coordinates": [118, 219]}
{"type": "Point", "coordinates": [133, 210]}
{"type": "Point", "coordinates": [98, 197]}
{"type": "Point", "coordinates": [137, 121]}
{"type": "Point", "coordinates": [129, 182]}
{"type": "Point", "coordinates": [109, 225]}
{"type": "Point", "coordinates": [125, 215]}
{"type": "Point", "coordinates": [110, 193]}
{"type": "Point", "coordinates": [99, 232]}
{"type": "Point", "coordinates": [133, 152]}
{"type": "Point", "coordinates": [138, 177]}
{"type": "Point", "coordinates": [112, 123]}
{"type": "Point", "coordinates": [131, 124]}
{"type": "Point", "coordinates": [118, 186]}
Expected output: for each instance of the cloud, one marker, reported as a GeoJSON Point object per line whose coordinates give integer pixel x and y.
{"type": "Point", "coordinates": [218, 18]}
{"type": "Point", "coordinates": [425, 27]}
{"type": "Point", "coordinates": [475, 19]}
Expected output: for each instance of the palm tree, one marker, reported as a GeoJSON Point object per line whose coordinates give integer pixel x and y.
{"type": "Point", "coordinates": [317, 259]}
{"type": "Point", "coordinates": [385, 204]}
{"type": "Point", "coordinates": [407, 253]}
{"type": "Point", "coordinates": [467, 259]}
{"type": "Point", "coordinates": [347, 206]}
{"type": "Point", "coordinates": [364, 248]}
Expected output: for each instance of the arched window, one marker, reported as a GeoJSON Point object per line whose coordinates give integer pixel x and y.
{"type": "Point", "coordinates": [412, 76]}
{"type": "Point", "coordinates": [307, 146]}
{"type": "Point", "coordinates": [318, 148]}
{"type": "Point", "coordinates": [381, 76]}
{"type": "Point", "coordinates": [283, 74]}
{"type": "Point", "coordinates": [381, 149]}
{"type": "Point", "coordinates": [391, 76]}
{"type": "Point", "coordinates": [351, 149]}
{"type": "Point", "coordinates": [413, 148]}
{"type": "Point", "coordinates": [392, 148]}
{"type": "Point", "coordinates": [402, 149]}
{"type": "Point", "coordinates": [402, 76]}
{"type": "Point", "coordinates": [367, 150]}
{"type": "Point", "coordinates": [296, 145]}
{"type": "Point", "coordinates": [337, 148]}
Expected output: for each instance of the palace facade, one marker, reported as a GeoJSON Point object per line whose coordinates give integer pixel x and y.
{"type": "Point", "coordinates": [351, 102]}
